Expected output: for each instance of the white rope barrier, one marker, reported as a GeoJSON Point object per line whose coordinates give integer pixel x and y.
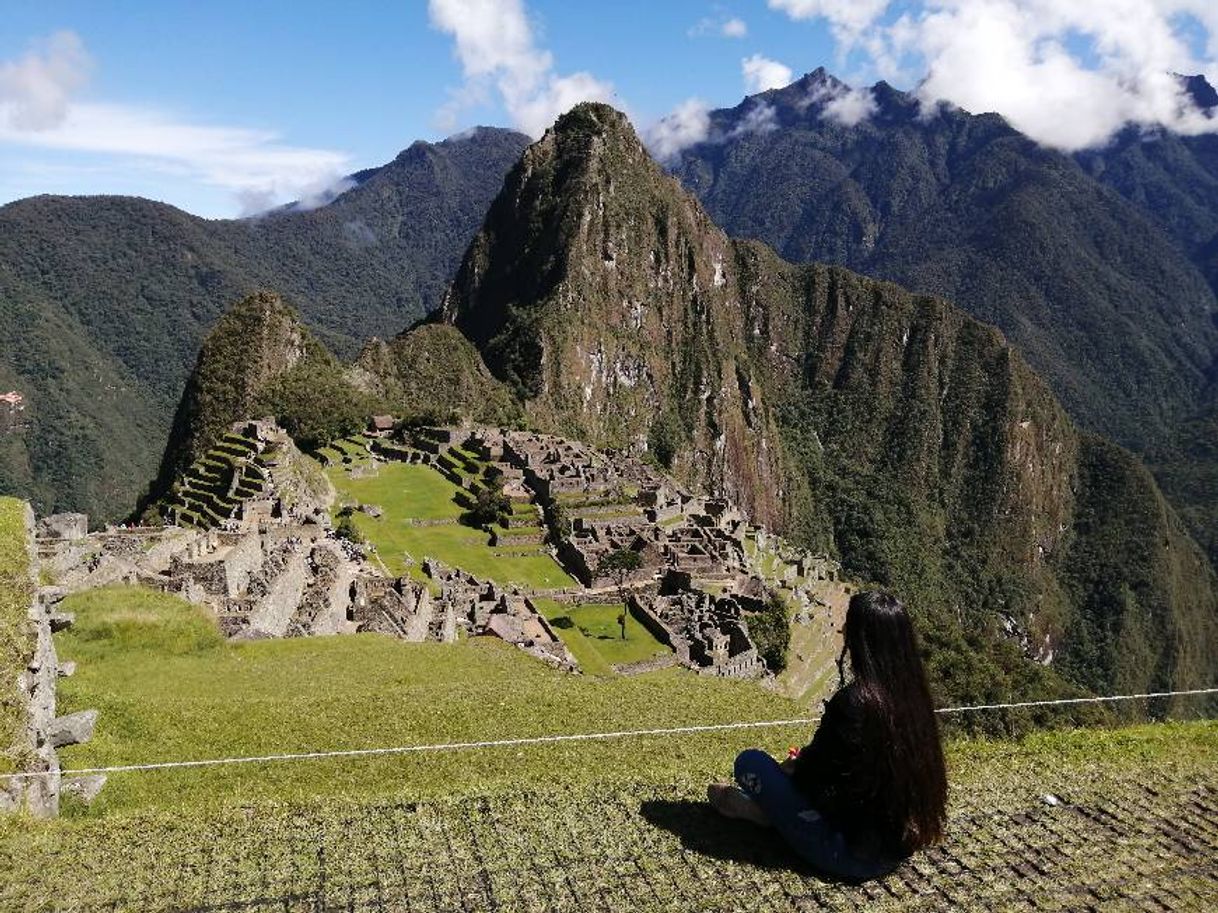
{"type": "Point", "coordinates": [567, 737]}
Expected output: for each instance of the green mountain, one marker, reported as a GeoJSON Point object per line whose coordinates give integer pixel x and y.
{"type": "Point", "coordinates": [433, 374]}
{"type": "Point", "coordinates": [883, 425]}
{"type": "Point", "coordinates": [1095, 266]}
{"type": "Point", "coordinates": [259, 360]}
{"type": "Point", "coordinates": [105, 301]}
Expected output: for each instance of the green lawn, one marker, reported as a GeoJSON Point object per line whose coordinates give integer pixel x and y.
{"type": "Point", "coordinates": [592, 634]}
{"type": "Point", "coordinates": [407, 492]}
{"type": "Point", "coordinates": [403, 489]}
{"type": "Point", "coordinates": [169, 688]}
{"type": "Point", "coordinates": [15, 645]}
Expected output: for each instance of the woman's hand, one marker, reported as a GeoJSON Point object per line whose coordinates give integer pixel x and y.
{"type": "Point", "coordinates": [788, 767]}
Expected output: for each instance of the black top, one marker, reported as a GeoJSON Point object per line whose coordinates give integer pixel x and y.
{"type": "Point", "coordinates": [842, 776]}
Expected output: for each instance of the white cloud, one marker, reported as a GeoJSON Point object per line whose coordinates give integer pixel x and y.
{"type": "Point", "coordinates": [35, 90]}
{"type": "Point", "coordinates": [851, 107]}
{"type": "Point", "coordinates": [760, 118]}
{"type": "Point", "coordinates": [689, 123]}
{"type": "Point", "coordinates": [496, 47]}
{"type": "Point", "coordinates": [761, 73]}
{"type": "Point", "coordinates": [847, 18]}
{"type": "Point", "coordinates": [721, 26]}
{"type": "Point", "coordinates": [1069, 73]}
{"type": "Point", "coordinates": [38, 110]}
{"type": "Point", "coordinates": [247, 162]}
{"type": "Point", "coordinates": [734, 28]}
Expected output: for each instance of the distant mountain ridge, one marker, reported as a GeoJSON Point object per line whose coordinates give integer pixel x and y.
{"type": "Point", "coordinates": [1101, 268]}
{"type": "Point", "coordinates": [105, 301]}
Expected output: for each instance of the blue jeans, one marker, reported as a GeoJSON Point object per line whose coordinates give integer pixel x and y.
{"type": "Point", "coordinates": [801, 826]}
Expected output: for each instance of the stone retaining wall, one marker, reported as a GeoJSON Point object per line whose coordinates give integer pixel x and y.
{"type": "Point", "coordinates": [45, 731]}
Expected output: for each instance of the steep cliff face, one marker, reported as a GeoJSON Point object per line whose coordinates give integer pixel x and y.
{"type": "Point", "coordinates": [885, 426]}
{"type": "Point", "coordinates": [600, 292]}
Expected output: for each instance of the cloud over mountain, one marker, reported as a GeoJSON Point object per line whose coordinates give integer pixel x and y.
{"type": "Point", "coordinates": [40, 109]}
{"type": "Point", "coordinates": [495, 45]}
{"type": "Point", "coordinates": [1069, 73]}
{"type": "Point", "coordinates": [761, 73]}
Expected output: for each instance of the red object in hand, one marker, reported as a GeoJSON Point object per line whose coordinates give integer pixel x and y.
{"type": "Point", "coordinates": [792, 752]}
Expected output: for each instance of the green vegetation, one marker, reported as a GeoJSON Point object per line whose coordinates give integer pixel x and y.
{"type": "Point", "coordinates": [168, 687]}
{"type": "Point", "coordinates": [15, 644]}
{"type": "Point", "coordinates": [490, 505]}
{"type": "Point", "coordinates": [107, 299]}
{"type": "Point", "coordinates": [408, 493]}
{"type": "Point", "coordinates": [626, 818]}
{"type": "Point", "coordinates": [592, 633]}
{"type": "Point", "coordinates": [432, 375]}
{"type": "Point", "coordinates": [1016, 236]}
{"type": "Point", "coordinates": [618, 566]}
{"type": "Point", "coordinates": [771, 632]}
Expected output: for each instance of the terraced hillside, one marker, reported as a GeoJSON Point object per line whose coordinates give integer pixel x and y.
{"type": "Point", "coordinates": [214, 486]}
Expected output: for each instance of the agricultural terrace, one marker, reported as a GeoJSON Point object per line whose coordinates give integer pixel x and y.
{"type": "Point", "coordinates": [420, 514]}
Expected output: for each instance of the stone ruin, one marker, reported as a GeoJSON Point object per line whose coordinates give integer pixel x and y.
{"type": "Point", "coordinates": [46, 731]}
{"type": "Point", "coordinates": [275, 567]}
{"type": "Point", "coordinates": [481, 607]}
{"type": "Point", "coordinates": [708, 633]}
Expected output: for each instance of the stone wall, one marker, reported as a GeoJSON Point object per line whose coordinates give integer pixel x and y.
{"type": "Point", "coordinates": [45, 731]}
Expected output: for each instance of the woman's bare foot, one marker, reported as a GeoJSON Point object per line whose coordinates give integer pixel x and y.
{"type": "Point", "coordinates": [732, 802]}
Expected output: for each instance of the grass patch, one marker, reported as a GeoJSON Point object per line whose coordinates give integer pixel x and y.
{"type": "Point", "coordinates": [15, 643]}
{"type": "Point", "coordinates": [1130, 834]}
{"type": "Point", "coordinates": [169, 689]}
{"type": "Point", "coordinates": [401, 490]}
{"type": "Point", "coordinates": [593, 635]}
{"type": "Point", "coordinates": [406, 492]}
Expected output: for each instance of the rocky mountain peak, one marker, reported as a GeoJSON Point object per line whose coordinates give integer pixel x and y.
{"type": "Point", "coordinates": [1203, 95]}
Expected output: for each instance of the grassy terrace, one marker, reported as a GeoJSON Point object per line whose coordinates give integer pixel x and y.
{"type": "Point", "coordinates": [592, 634]}
{"type": "Point", "coordinates": [614, 825]}
{"type": "Point", "coordinates": [409, 493]}
{"type": "Point", "coordinates": [15, 645]}
{"type": "Point", "coordinates": [168, 687]}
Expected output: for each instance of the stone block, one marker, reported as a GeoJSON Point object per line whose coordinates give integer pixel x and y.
{"type": "Point", "coordinates": [84, 787]}
{"type": "Point", "coordinates": [64, 526]}
{"type": "Point", "coordinates": [71, 729]}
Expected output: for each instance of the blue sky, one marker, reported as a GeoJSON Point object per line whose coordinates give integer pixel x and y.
{"type": "Point", "coordinates": [361, 79]}
{"type": "Point", "coordinates": [224, 107]}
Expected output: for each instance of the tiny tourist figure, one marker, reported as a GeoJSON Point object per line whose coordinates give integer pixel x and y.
{"type": "Point", "coordinates": [871, 787]}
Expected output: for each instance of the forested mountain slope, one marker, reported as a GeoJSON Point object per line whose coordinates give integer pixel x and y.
{"type": "Point", "coordinates": [1094, 266]}
{"type": "Point", "coordinates": [105, 301]}
{"type": "Point", "coordinates": [886, 426]}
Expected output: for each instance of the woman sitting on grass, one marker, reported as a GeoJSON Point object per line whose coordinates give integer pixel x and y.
{"type": "Point", "coordinates": [871, 788]}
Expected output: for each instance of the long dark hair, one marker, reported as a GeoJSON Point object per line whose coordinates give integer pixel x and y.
{"type": "Point", "coordinates": [899, 718]}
